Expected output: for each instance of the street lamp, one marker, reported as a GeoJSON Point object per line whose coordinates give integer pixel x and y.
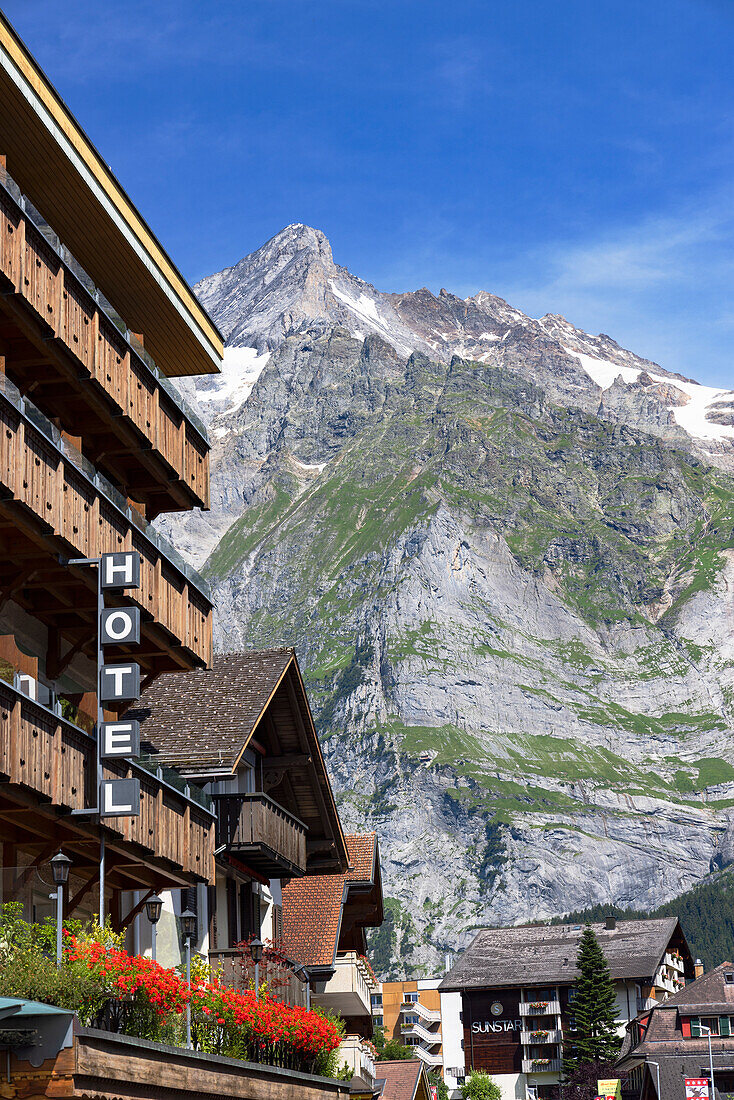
{"type": "Point", "coordinates": [153, 909]}
{"type": "Point", "coordinates": [657, 1072]}
{"type": "Point", "coordinates": [256, 953]}
{"type": "Point", "coordinates": [188, 930]}
{"type": "Point", "coordinates": [303, 976]}
{"type": "Point", "coordinates": [60, 865]}
{"type": "Point", "coordinates": [711, 1059]}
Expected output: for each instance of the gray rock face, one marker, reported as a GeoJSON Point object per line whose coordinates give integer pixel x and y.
{"type": "Point", "coordinates": [509, 587]}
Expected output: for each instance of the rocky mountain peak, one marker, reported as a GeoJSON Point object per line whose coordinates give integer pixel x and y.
{"type": "Point", "coordinates": [507, 578]}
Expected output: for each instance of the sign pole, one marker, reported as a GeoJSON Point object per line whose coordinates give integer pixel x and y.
{"type": "Point", "coordinates": [117, 683]}
{"type": "Point", "coordinates": [100, 720]}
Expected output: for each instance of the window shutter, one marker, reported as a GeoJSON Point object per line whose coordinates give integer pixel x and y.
{"type": "Point", "coordinates": [695, 1027]}
{"type": "Point", "coordinates": [277, 923]}
{"type": "Point", "coordinates": [232, 911]}
{"type": "Point", "coordinates": [724, 1025]}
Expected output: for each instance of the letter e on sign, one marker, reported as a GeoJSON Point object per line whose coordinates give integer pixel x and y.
{"type": "Point", "coordinates": [120, 798]}
{"type": "Point", "coordinates": [120, 570]}
{"type": "Point", "coordinates": [120, 738]}
{"type": "Point", "coordinates": [120, 626]}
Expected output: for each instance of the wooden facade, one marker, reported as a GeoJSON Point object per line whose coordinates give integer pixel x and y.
{"type": "Point", "coordinates": [54, 163]}
{"type": "Point", "coordinates": [53, 507]}
{"type": "Point", "coordinates": [55, 338]}
{"type": "Point", "coordinates": [94, 444]}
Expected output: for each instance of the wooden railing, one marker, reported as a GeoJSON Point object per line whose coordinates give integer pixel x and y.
{"type": "Point", "coordinates": [265, 835]}
{"type": "Point", "coordinates": [69, 314]}
{"type": "Point", "coordinates": [56, 760]}
{"type": "Point", "coordinates": [36, 469]}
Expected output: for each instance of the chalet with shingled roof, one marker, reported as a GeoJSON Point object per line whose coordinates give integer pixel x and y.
{"type": "Point", "coordinates": [242, 734]}
{"type": "Point", "coordinates": [518, 991]}
{"type": "Point", "coordinates": [670, 1042]}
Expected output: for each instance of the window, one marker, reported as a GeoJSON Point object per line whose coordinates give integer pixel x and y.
{"type": "Point", "coordinates": [572, 1023]}
{"type": "Point", "coordinates": [710, 1022]}
{"type": "Point", "coordinates": [379, 1021]}
{"type": "Point", "coordinates": [572, 994]}
{"type": "Point", "coordinates": [411, 1019]}
{"type": "Point", "coordinates": [729, 977]}
{"type": "Point", "coordinates": [376, 1000]}
{"type": "Point", "coordinates": [411, 998]}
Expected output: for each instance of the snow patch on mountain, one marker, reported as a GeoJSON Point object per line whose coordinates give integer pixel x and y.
{"type": "Point", "coordinates": [691, 416]}
{"type": "Point", "coordinates": [227, 392]}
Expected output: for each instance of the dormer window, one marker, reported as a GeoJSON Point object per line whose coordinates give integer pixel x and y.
{"type": "Point", "coordinates": [729, 977]}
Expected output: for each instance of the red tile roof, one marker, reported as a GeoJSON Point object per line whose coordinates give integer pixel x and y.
{"type": "Point", "coordinates": [312, 906]}
{"type": "Point", "coordinates": [400, 1080]}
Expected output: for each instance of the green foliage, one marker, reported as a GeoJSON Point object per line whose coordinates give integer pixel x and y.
{"type": "Point", "coordinates": [582, 1083]}
{"type": "Point", "coordinates": [440, 1085]}
{"type": "Point", "coordinates": [328, 1063]}
{"type": "Point", "coordinates": [393, 941]}
{"type": "Point", "coordinates": [596, 1038]}
{"type": "Point", "coordinates": [480, 1086]}
{"type": "Point", "coordinates": [28, 964]}
{"type": "Point", "coordinates": [389, 1050]}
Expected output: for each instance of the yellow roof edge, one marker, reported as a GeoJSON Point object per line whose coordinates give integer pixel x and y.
{"type": "Point", "coordinates": [31, 72]}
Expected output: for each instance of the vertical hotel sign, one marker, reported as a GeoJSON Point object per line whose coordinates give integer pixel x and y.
{"type": "Point", "coordinates": [118, 683]}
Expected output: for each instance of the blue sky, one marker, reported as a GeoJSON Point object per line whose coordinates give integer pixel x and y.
{"type": "Point", "coordinates": [573, 156]}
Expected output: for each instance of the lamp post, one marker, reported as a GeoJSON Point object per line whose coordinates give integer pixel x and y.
{"type": "Point", "coordinates": [188, 930]}
{"type": "Point", "coordinates": [153, 909]}
{"type": "Point", "coordinates": [303, 976]}
{"type": "Point", "coordinates": [711, 1059]}
{"type": "Point", "coordinates": [657, 1073]}
{"type": "Point", "coordinates": [256, 952]}
{"type": "Point", "coordinates": [60, 865]}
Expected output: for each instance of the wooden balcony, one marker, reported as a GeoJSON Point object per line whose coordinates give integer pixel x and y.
{"type": "Point", "coordinates": [261, 833]}
{"type": "Point", "coordinates": [54, 506]}
{"type": "Point", "coordinates": [47, 769]}
{"type": "Point", "coordinates": [57, 340]}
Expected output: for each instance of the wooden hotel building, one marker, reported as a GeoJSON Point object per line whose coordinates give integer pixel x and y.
{"type": "Point", "coordinates": [95, 443]}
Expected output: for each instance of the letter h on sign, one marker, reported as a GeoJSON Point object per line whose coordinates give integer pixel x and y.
{"type": "Point", "coordinates": [120, 570]}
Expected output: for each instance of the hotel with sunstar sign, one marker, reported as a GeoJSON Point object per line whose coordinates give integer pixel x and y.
{"type": "Point", "coordinates": [517, 989]}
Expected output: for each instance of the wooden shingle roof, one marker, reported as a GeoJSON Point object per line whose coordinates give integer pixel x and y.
{"type": "Point", "coordinates": [546, 954]}
{"type": "Point", "coordinates": [202, 719]}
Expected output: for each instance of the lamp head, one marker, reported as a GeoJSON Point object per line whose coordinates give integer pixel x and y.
{"type": "Point", "coordinates": [188, 924]}
{"type": "Point", "coordinates": [154, 908]}
{"type": "Point", "coordinates": [256, 950]}
{"type": "Point", "coordinates": [60, 865]}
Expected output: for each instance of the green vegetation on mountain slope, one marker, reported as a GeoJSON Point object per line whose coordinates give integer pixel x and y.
{"type": "Point", "coordinates": [606, 738]}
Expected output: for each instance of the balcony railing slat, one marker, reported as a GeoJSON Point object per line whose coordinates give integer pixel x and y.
{"type": "Point", "coordinates": [43, 479]}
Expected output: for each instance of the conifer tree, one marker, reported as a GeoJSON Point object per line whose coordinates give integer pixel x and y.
{"type": "Point", "coordinates": [596, 1040]}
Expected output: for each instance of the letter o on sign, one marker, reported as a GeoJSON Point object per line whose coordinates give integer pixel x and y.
{"type": "Point", "coordinates": [120, 626]}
